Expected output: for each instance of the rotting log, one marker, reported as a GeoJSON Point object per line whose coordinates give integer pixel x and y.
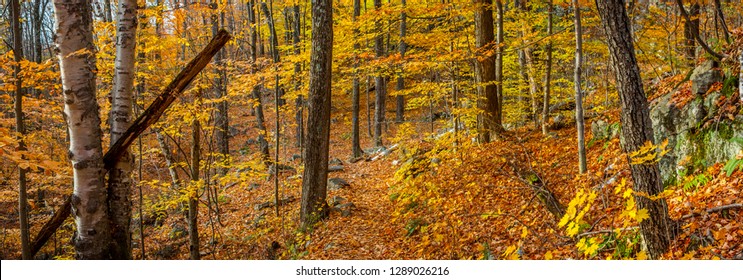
{"type": "Point", "coordinates": [150, 116]}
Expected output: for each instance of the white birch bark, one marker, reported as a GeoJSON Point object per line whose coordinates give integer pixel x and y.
{"type": "Point", "coordinates": [76, 54]}
{"type": "Point", "coordinates": [121, 117]}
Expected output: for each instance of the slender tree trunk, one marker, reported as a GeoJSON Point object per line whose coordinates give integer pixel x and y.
{"type": "Point", "coordinates": [256, 93]}
{"type": "Point", "coordinates": [721, 16]}
{"type": "Point", "coordinates": [694, 30]}
{"type": "Point", "coordinates": [193, 198]}
{"type": "Point", "coordinates": [355, 143]}
{"type": "Point", "coordinates": [314, 183]}
{"type": "Point", "coordinates": [379, 81]}
{"type": "Point", "coordinates": [20, 127]}
{"type": "Point", "coordinates": [400, 116]}
{"type": "Point", "coordinates": [221, 116]}
{"type": "Point", "coordinates": [579, 121]}
{"type": "Point", "coordinates": [533, 86]}
{"type": "Point", "coordinates": [119, 180]}
{"type": "Point", "coordinates": [76, 54]}
{"type": "Point", "coordinates": [486, 73]}
{"type": "Point", "coordinates": [547, 71]}
{"type": "Point", "coordinates": [497, 107]}
{"type": "Point", "coordinates": [38, 19]}
{"type": "Point", "coordinates": [299, 103]}
{"type": "Point", "coordinates": [637, 128]}
{"type": "Point", "coordinates": [740, 77]}
{"type": "Point", "coordinates": [689, 39]}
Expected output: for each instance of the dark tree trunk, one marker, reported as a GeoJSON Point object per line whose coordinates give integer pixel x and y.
{"type": "Point", "coordinates": [486, 72]}
{"type": "Point", "coordinates": [193, 198]}
{"type": "Point", "coordinates": [689, 46]}
{"type": "Point", "coordinates": [637, 129]}
{"type": "Point", "coordinates": [256, 92]}
{"type": "Point", "coordinates": [380, 85]}
{"type": "Point", "coordinates": [221, 116]}
{"type": "Point", "coordinates": [355, 142]}
{"type": "Point", "coordinates": [299, 103]}
{"type": "Point", "coordinates": [20, 127]}
{"type": "Point", "coordinates": [400, 116]}
{"type": "Point", "coordinates": [314, 183]}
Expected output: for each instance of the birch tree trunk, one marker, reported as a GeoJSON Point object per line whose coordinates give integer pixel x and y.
{"type": "Point", "coordinates": [578, 94]}
{"type": "Point", "coordinates": [315, 178]}
{"type": "Point", "coordinates": [76, 54]}
{"type": "Point", "coordinates": [547, 71]}
{"type": "Point", "coordinates": [119, 180]}
{"type": "Point", "coordinates": [20, 127]}
{"type": "Point", "coordinates": [637, 128]}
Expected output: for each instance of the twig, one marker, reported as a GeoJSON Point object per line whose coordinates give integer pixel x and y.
{"type": "Point", "coordinates": [605, 231]}
{"type": "Point", "coordinates": [713, 210]}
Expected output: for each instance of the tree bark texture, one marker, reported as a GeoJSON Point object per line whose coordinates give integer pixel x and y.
{"type": "Point", "coordinates": [379, 82]}
{"type": "Point", "coordinates": [636, 126]}
{"type": "Point", "coordinates": [402, 47]}
{"type": "Point", "coordinates": [356, 92]}
{"type": "Point", "coordinates": [20, 127]}
{"type": "Point", "coordinates": [76, 54]}
{"type": "Point", "coordinates": [486, 76]}
{"type": "Point", "coordinates": [547, 71]}
{"type": "Point", "coordinates": [314, 183]}
{"type": "Point", "coordinates": [579, 121]}
{"type": "Point", "coordinates": [122, 101]}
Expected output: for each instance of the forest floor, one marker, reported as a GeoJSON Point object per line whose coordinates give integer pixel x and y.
{"type": "Point", "coordinates": [427, 200]}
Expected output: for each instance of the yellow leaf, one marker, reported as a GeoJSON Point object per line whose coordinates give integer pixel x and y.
{"type": "Point", "coordinates": [524, 232]}
{"type": "Point", "coordinates": [642, 256]}
{"type": "Point", "coordinates": [548, 255]}
{"type": "Point", "coordinates": [642, 214]}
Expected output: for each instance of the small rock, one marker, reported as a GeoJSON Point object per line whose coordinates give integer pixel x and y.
{"type": "Point", "coordinates": [435, 160]}
{"type": "Point", "coordinates": [295, 157]}
{"type": "Point", "coordinates": [704, 76]}
{"type": "Point", "coordinates": [251, 141]}
{"type": "Point", "coordinates": [294, 177]}
{"type": "Point", "coordinates": [335, 168]}
{"type": "Point", "coordinates": [355, 160]}
{"type": "Point", "coordinates": [177, 232]}
{"type": "Point", "coordinates": [345, 208]}
{"type": "Point", "coordinates": [282, 168]}
{"type": "Point", "coordinates": [254, 186]}
{"type": "Point", "coordinates": [260, 206]}
{"type": "Point", "coordinates": [337, 200]}
{"type": "Point", "coordinates": [337, 183]}
{"type": "Point", "coordinates": [335, 161]}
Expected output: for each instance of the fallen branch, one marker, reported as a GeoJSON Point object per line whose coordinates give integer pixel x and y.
{"type": "Point", "coordinates": [50, 227]}
{"type": "Point", "coordinates": [713, 210]}
{"type": "Point", "coordinates": [606, 231]}
{"type": "Point", "coordinates": [148, 118]}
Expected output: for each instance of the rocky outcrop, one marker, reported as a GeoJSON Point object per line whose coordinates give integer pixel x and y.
{"type": "Point", "coordinates": [697, 135]}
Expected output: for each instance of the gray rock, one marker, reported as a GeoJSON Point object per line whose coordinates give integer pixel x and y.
{"type": "Point", "coordinates": [261, 206]}
{"type": "Point", "coordinates": [693, 143]}
{"type": "Point", "coordinates": [337, 183]}
{"type": "Point", "coordinates": [704, 76]}
{"type": "Point", "coordinates": [355, 160]}
{"type": "Point", "coordinates": [335, 168]}
{"type": "Point", "coordinates": [603, 130]}
{"type": "Point", "coordinates": [282, 168]}
{"type": "Point", "coordinates": [345, 208]}
{"type": "Point", "coordinates": [254, 186]}
{"type": "Point", "coordinates": [435, 160]}
{"type": "Point", "coordinates": [335, 161]}
{"type": "Point", "coordinates": [177, 232]}
{"type": "Point", "coordinates": [295, 157]}
{"type": "Point", "coordinates": [336, 200]}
